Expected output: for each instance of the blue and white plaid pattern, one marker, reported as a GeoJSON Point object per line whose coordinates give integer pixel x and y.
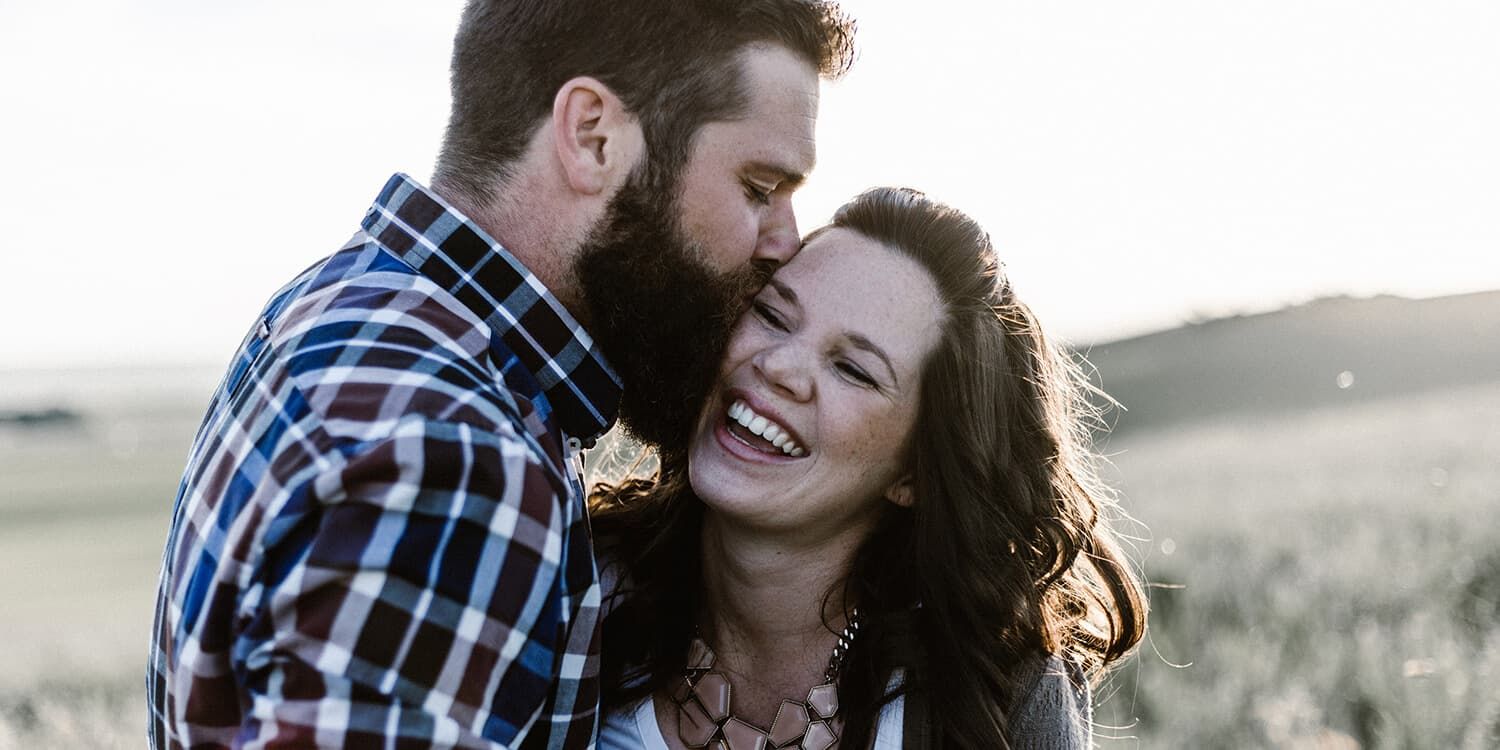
{"type": "Point", "coordinates": [378, 540]}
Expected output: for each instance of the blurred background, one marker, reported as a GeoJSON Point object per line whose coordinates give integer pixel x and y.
{"type": "Point", "coordinates": [1272, 228]}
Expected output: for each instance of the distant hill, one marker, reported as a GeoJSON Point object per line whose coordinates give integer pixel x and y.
{"type": "Point", "coordinates": [40, 417]}
{"type": "Point", "coordinates": [1299, 357]}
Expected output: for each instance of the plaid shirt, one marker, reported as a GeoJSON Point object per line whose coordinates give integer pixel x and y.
{"type": "Point", "coordinates": [379, 540]}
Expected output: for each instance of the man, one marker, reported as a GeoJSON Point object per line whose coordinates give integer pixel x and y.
{"type": "Point", "coordinates": [379, 539]}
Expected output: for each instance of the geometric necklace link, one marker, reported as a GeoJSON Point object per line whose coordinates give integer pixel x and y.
{"type": "Point", "coordinates": [705, 719]}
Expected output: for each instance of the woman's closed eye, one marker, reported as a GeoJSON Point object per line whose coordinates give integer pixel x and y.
{"type": "Point", "coordinates": [768, 315]}
{"type": "Point", "coordinates": [856, 373]}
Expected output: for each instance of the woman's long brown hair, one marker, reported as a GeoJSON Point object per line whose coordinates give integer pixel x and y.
{"type": "Point", "coordinates": [1007, 555]}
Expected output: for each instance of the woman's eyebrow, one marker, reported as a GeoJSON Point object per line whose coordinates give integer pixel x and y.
{"type": "Point", "coordinates": [783, 290]}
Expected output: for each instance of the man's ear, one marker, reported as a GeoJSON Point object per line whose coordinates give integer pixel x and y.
{"type": "Point", "coordinates": [598, 142]}
{"type": "Point", "coordinates": [902, 492]}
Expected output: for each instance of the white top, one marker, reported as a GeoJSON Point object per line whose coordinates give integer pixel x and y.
{"type": "Point", "coordinates": [635, 728]}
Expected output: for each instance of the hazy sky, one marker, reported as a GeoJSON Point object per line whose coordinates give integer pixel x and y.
{"type": "Point", "coordinates": [169, 164]}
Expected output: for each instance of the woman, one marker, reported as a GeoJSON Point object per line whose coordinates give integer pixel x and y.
{"type": "Point", "coordinates": [886, 530]}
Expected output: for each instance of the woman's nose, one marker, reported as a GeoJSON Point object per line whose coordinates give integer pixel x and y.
{"type": "Point", "coordinates": [786, 369]}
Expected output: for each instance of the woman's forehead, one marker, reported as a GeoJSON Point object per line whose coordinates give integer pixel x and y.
{"type": "Point", "coordinates": [832, 246]}
{"type": "Point", "coordinates": [839, 257]}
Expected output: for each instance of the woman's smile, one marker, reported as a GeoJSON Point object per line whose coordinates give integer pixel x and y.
{"type": "Point", "coordinates": [760, 432]}
{"type": "Point", "coordinates": [751, 429]}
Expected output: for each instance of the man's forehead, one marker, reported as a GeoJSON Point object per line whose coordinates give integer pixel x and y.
{"type": "Point", "coordinates": [783, 108]}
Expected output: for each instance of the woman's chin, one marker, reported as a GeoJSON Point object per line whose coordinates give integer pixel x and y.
{"type": "Point", "coordinates": [719, 486]}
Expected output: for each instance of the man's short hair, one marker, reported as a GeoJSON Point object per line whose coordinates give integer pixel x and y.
{"type": "Point", "coordinates": [673, 63]}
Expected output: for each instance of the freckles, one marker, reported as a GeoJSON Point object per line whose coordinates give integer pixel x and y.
{"type": "Point", "coordinates": [869, 436]}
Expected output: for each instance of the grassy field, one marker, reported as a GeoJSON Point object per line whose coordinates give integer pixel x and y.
{"type": "Point", "coordinates": [83, 514]}
{"type": "Point", "coordinates": [1329, 579]}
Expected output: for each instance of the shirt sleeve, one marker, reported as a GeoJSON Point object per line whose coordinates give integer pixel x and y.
{"type": "Point", "coordinates": [424, 587]}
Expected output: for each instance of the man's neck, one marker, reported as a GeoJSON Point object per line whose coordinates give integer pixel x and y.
{"type": "Point", "coordinates": [531, 233]}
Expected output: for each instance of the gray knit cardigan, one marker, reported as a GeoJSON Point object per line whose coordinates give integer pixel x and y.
{"type": "Point", "coordinates": [1054, 713]}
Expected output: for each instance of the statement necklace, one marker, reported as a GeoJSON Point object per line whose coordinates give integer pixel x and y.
{"type": "Point", "coordinates": [703, 699]}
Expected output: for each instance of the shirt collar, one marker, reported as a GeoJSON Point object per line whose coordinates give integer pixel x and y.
{"type": "Point", "coordinates": [418, 226]}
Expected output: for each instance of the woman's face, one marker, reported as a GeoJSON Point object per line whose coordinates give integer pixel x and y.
{"type": "Point", "coordinates": [807, 427]}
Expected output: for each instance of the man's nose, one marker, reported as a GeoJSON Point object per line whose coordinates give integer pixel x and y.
{"type": "Point", "coordinates": [778, 240]}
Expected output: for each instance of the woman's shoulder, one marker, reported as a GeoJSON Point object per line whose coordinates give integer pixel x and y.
{"type": "Point", "coordinates": [1053, 711]}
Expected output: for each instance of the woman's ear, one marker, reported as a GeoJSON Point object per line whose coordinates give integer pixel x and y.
{"type": "Point", "coordinates": [902, 492]}
{"type": "Point", "coordinates": [598, 142]}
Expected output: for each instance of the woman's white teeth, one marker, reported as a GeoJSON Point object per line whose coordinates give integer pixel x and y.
{"type": "Point", "coordinates": [767, 430]}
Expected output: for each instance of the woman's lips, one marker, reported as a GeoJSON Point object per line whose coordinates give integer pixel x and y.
{"type": "Point", "coordinates": [754, 420]}
{"type": "Point", "coordinates": [738, 448]}
{"type": "Point", "coordinates": [744, 435]}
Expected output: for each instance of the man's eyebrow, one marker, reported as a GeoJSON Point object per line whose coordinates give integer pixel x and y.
{"type": "Point", "coordinates": [785, 176]}
{"type": "Point", "coordinates": [860, 341]}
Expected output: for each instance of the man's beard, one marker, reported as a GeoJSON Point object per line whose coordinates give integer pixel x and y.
{"type": "Point", "coordinates": [661, 316]}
